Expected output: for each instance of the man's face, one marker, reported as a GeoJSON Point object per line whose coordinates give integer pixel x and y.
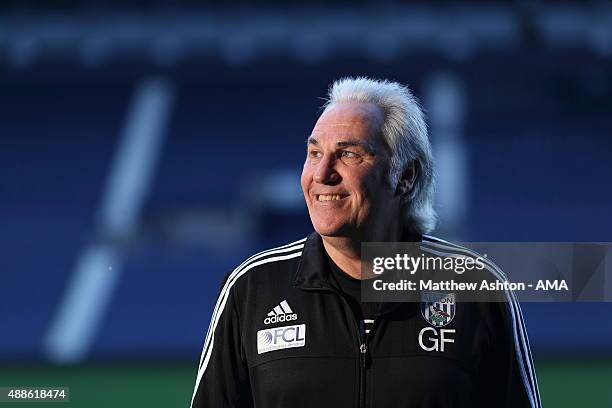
{"type": "Point", "coordinates": [345, 176]}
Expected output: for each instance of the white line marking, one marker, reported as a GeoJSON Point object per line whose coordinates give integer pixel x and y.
{"type": "Point", "coordinates": [90, 288]}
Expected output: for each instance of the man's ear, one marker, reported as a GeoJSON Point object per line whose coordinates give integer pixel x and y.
{"type": "Point", "coordinates": [407, 180]}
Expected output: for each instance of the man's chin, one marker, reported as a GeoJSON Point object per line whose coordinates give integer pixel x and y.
{"type": "Point", "coordinates": [333, 231]}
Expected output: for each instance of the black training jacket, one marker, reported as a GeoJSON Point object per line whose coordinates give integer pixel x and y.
{"type": "Point", "coordinates": [281, 335]}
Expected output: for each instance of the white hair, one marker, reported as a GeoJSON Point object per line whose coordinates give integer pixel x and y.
{"type": "Point", "coordinates": [405, 133]}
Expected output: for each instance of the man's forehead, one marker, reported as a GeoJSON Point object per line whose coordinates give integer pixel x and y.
{"type": "Point", "coordinates": [337, 134]}
{"type": "Point", "coordinates": [345, 142]}
{"type": "Point", "coordinates": [337, 139]}
{"type": "Point", "coordinates": [344, 134]}
{"type": "Point", "coordinates": [343, 123]}
{"type": "Point", "coordinates": [348, 124]}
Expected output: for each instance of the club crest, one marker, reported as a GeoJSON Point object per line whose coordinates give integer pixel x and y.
{"type": "Point", "coordinates": [438, 308]}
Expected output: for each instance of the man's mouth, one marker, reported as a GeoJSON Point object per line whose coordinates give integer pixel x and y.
{"type": "Point", "coordinates": [329, 197]}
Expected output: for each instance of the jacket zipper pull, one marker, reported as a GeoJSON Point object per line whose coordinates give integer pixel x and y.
{"type": "Point", "coordinates": [363, 347]}
{"type": "Point", "coordinates": [363, 350]}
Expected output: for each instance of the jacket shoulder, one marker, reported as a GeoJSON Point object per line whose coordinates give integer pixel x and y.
{"type": "Point", "coordinates": [441, 246]}
{"type": "Point", "coordinates": [265, 264]}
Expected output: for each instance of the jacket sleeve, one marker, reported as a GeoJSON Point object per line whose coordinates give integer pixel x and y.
{"type": "Point", "coordinates": [507, 376]}
{"type": "Point", "coordinates": [222, 379]}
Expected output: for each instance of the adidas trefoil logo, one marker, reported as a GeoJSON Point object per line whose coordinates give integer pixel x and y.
{"type": "Point", "coordinates": [281, 313]}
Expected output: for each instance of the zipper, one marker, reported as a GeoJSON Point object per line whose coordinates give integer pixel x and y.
{"type": "Point", "coordinates": [363, 354]}
{"type": "Point", "coordinates": [362, 348]}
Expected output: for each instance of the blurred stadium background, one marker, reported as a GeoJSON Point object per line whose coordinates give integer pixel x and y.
{"type": "Point", "coordinates": [147, 148]}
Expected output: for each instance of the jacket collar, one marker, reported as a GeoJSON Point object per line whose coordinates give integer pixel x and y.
{"type": "Point", "coordinates": [313, 269]}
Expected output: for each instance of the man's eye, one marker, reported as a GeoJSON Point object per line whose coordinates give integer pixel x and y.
{"type": "Point", "coordinates": [314, 154]}
{"type": "Point", "coordinates": [349, 155]}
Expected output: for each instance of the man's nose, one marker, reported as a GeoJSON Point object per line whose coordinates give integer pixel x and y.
{"type": "Point", "coordinates": [325, 172]}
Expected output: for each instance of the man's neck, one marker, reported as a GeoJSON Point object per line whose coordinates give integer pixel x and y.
{"type": "Point", "coordinates": [346, 251]}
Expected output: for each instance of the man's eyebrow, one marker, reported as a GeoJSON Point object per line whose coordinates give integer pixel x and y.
{"type": "Point", "coordinates": [357, 143]}
{"type": "Point", "coordinates": [346, 143]}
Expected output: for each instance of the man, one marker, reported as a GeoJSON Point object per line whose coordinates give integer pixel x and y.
{"type": "Point", "coordinates": [289, 329]}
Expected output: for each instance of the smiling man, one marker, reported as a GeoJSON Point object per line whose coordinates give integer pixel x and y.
{"type": "Point", "coordinates": [289, 328]}
{"type": "Point", "coordinates": [346, 182]}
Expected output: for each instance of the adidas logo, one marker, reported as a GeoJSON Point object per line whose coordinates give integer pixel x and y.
{"type": "Point", "coordinates": [281, 313]}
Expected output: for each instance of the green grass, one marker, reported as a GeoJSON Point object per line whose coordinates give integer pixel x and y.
{"type": "Point", "coordinates": [575, 384]}
{"type": "Point", "coordinates": [562, 384]}
{"type": "Point", "coordinates": [109, 386]}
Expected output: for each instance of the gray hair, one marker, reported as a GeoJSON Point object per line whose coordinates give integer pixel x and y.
{"type": "Point", "coordinates": [405, 133]}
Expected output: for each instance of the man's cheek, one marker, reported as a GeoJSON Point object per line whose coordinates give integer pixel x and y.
{"type": "Point", "coordinates": [304, 184]}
